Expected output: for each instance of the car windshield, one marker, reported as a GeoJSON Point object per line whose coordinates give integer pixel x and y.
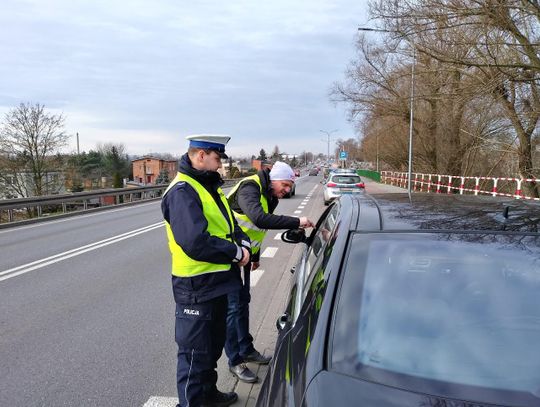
{"type": "Point", "coordinates": [346, 179]}
{"type": "Point", "coordinates": [462, 311]}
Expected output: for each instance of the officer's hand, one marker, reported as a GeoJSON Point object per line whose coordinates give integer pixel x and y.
{"type": "Point", "coordinates": [306, 223]}
{"type": "Point", "coordinates": [245, 257]}
{"type": "Point", "coordinates": [255, 265]}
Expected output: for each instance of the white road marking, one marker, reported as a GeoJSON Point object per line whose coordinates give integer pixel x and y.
{"type": "Point", "coordinates": [301, 207]}
{"type": "Point", "coordinates": [278, 236]}
{"type": "Point", "coordinates": [269, 252]}
{"type": "Point", "coordinates": [161, 402]}
{"type": "Point", "coordinates": [25, 268]}
{"type": "Point", "coordinates": [255, 276]}
{"type": "Point", "coordinates": [297, 211]}
{"type": "Point", "coordinates": [50, 222]}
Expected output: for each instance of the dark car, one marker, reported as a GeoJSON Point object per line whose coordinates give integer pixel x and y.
{"type": "Point", "coordinates": [313, 171]}
{"type": "Point", "coordinates": [432, 301]}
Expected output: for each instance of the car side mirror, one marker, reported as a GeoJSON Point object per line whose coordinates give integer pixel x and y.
{"type": "Point", "coordinates": [294, 236]}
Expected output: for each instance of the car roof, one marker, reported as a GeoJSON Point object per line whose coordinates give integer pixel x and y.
{"type": "Point", "coordinates": [428, 211]}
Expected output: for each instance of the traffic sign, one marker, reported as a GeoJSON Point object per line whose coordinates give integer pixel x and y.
{"type": "Point", "coordinates": [342, 155]}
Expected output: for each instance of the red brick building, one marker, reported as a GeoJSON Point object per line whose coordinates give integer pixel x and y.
{"type": "Point", "coordinates": [146, 169]}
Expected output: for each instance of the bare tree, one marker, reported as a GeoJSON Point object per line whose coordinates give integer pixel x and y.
{"type": "Point", "coordinates": [501, 38]}
{"type": "Point", "coordinates": [30, 139]}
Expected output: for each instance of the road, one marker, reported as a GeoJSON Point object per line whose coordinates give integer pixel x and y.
{"type": "Point", "coordinates": [87, 312]}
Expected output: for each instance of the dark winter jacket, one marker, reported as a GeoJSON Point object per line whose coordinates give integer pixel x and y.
{"type": "Point", "coordinates": [246, 200]}
{"type": "Point", "coordinates": [182, 209]}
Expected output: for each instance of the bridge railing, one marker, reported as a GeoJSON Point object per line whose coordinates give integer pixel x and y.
{"type": "Point", "coordinates": [456, 184]}
{"type": "Point", "coordinates": [27, 210]}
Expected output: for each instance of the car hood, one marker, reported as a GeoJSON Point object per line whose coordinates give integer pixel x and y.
{"type": "Point", "coordinates": [333, 389]}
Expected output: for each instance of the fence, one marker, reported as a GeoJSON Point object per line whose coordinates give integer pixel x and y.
{"type": "Point", "coordinates": [452, 184]}
{"type": "Point", "coordinates": [374, 175]}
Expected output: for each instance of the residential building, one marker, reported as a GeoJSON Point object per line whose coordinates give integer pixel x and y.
{"type": "Point", "coordinates": [147, 169]}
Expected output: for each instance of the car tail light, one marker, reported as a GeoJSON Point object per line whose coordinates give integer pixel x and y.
{"type": "Point", "coordinates": [360, 185]}
{"type": "Point", "coordinates": [331, 185]}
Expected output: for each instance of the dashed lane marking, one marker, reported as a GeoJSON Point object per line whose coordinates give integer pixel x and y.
{"type": "Point", "coordinates": [254, 277]}
{"type": "Point", "coordinates": [301, 207]}
{"type": "Point", "coordinates": [269, 252]}
{"type": "Point", "coordinates": [297, 211]}
{"type": "Point", "coordinates": [278, 236]}
{"type": "Point", "coordinates": [161, 402]}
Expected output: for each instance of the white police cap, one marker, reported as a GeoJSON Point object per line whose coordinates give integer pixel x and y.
{"type": "Point", "coordinates": [215, 142]}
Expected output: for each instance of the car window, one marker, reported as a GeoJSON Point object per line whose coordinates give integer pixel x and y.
{"type": "Point", "coordinates": [346, 179]}
{"type": "Point", "coordinates": [320, 239]}
{"type": "Point", "coordinates": [317, 241]}
{"type": "Point", "coordinates": [461, 310]}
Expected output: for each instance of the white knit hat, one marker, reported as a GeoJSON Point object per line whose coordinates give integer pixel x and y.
{"type": "Point", "coordinates": [281, 172]}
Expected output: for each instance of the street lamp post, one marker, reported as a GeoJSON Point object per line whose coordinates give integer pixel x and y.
{"type": "Point", "coordinates": [328, 145]}
{"type": "Point", "coordinates": [377, 151]}
{"type": "Point", "coordinates": [411, 108]}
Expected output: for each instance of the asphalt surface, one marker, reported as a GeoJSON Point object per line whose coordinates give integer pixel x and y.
{"type": "Point", "coordinates": [86, 308]}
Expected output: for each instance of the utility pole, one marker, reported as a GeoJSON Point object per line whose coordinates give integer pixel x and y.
{"type": "Point", "coordinates": [78, 152]}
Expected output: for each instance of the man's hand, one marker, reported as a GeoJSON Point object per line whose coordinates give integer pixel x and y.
{"type": "Point", "coordinates": [245, 257]}
{"type": "Point", "coordinates": [255, 265]}
{"type": "Point", "coordinates": [306, 223]}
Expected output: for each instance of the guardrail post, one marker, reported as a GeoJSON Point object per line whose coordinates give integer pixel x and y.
{"type": "Point", "coordinates": [64, 207]}
{"type": "Point", "coordinates": [449, 189]}
{"type": "Point", "coordinates": [462, 186]}
{"type": "Point", "coordinates": [477, 186]}
{"type": "Point", "coordinates": [439, 184]}
{"type": "Point", "coordinates": [429, 184]}
{"type": "Point", "coordinates": [519, 193]}
{"type": "Point", "coordinates": [494, 190]}
{"type": "Point", "coordinates": [85, 204]}
{"type": "Point", "coordinates": [39, 211]}
{"type": "Point", "coordinates": [10, 215]}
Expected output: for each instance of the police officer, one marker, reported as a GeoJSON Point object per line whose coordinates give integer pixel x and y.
{"type": "Point", "coordinates": [253, 201]}
{"type": "Point", "coordinates": [207, 248]}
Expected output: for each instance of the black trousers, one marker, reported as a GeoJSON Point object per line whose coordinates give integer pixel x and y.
{"type": "Point", "coordinates": [200, 332]}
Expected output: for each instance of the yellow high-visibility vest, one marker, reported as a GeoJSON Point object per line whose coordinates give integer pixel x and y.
{"type": "Point", "coordinates": [255, 234]}
{"type": "Point", "coordinates": [182, 264]}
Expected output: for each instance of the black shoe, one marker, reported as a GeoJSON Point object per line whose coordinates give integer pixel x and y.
{"type": "Point", "coordinates": [243, 373]}
{"type": "Point", "coordinates": [256, 357]}
{"type": "Point", "coordinates": [219, 399]}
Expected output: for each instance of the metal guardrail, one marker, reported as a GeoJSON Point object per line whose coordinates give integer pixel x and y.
{"type": "Point", "coordinates": [55, 206]}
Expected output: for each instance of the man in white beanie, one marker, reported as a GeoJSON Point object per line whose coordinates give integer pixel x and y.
{"type": "Point", "coordinates": [253, 201]}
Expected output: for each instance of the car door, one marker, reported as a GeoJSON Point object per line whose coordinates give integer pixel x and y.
{"type": "Point", "coordinates": [298, 322]}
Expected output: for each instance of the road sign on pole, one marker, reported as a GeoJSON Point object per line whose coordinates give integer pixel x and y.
{"type": "Point", "coordinates": [342, 155]}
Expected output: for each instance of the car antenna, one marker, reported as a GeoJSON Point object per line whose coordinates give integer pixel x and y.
{"type": "Point", "coordinates": [505, 211]}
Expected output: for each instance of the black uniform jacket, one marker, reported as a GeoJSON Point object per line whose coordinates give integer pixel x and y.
{"type": "Point", "coordinates": [182, 209]}
{"type": "Point", "coordinates": [247, 200]}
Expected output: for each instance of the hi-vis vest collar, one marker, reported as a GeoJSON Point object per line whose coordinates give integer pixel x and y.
{"type": "Point", "coordinates": [255, 234]}
{"type": "Point", "coordinates": [218, 226]}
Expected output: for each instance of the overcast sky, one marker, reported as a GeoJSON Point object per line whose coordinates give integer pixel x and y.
{"type": "Point", "coordinates": [148, 73]}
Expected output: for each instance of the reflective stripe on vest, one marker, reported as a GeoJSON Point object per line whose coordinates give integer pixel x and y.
{"type": "Point", "coordinates": [255, 234]}
{"type": "Point", "coordinates": [218, 226]}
